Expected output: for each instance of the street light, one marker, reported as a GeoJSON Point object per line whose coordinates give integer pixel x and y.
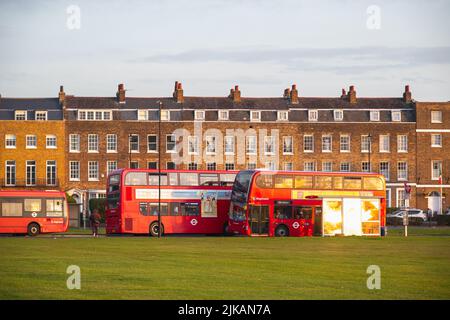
{"type": "Point", "coordinates": [159, 168]}
{"type": "Point", "coordinates": [370, 151]}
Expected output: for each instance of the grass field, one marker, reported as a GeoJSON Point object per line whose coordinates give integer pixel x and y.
{"type": "Point", "coordinates": [416, 267]}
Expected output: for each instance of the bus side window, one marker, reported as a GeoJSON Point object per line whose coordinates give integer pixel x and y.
{"type": "Point", "coordinates": [282, 212]}
{"type": "Point", "coordinates": [302, 212]}
{"type": "Point", "coordinates": [12, 209]}
{"type": "Point", "coordinates": [144, 208]}
{"type": "Point", "coordinates": [174, 209]}
{"type": "Point", "coordinates": [190, 209]}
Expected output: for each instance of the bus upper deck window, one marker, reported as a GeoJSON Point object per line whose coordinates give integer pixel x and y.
{"type": "Point", "coordinates": [227, 177]}
{"type": "Point", "coordinates": [188, 179]}
{"type": "Point", "coordinates": [353, 183]}
{"type": "Point", "coordinates": [264, 181]}
{"type": "Point", "coordinates": [173, 178]}
{"type": "Point", "coordinates": [284, 182]}
{"type": "Point", "coordinates": [338, 182]}
{"type": "Point", "coordinates": [153, 179]}
{"type": "Point", "coordinates": [136, 179]}
{"type": "Point", "coordinates": [323, 182]}
{"type": "Point", "coordinates": [303, 181]}
{"type": "Point", "coordinates": [207, 178]}
{"type": "Point", "coordinates": [373, 183]}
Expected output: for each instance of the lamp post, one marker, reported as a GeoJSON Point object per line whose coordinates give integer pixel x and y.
{"type": "Point", "coordinates": [159, 169]}
{"type": "Point", "coordinates": [370, 151]}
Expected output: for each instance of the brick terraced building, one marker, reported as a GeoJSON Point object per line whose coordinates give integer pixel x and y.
{"type": "Point", "coordinates": [401, 138]}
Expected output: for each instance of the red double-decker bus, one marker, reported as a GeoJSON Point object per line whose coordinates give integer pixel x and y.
{"type": "Point", "coordinates": [295, 203]}
{"type": "Point", "coordinates": [191, 201]}
{"type": "Point", "coordinates": [33, 212]}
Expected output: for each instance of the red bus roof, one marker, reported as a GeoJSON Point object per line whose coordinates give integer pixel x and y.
{"type": "Point", "coordinates": [125, 170]}
{"type": "Point", "coordinates": [316, 173]}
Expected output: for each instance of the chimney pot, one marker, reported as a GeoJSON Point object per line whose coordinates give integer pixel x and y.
{"type": "Point", "coordinates": [178, 92]}
{"type": "Point", "coordinates": [235, 94]}
{"type": "Point", "coordinates": [294, 94]}
{"type": "Point", "coordinates": [120, 93]}
{"type": "Point", "coordinates": [407, 96]}
{"type": "Point", "coordinates": [61, 95]}
{"type": "Point", "coordinates": [352, 95]}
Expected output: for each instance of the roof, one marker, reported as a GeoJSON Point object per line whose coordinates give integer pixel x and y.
{"type": "Point", "coordinates": [227, 103]}
{"type": "Point", "coordinates": [29, 103]}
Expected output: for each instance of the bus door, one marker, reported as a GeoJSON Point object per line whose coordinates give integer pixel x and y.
{"type": "Point", "coordinates": [303, 219]}
{"type": "Point", "coordinates": [317, 221]}
{"type": "Point", "coordinates": [259, 219]}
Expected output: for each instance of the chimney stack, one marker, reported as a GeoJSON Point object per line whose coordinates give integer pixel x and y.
{"type": "Point", "coordinates": [352, 94]}
{"type": "Point", "coordinates": [287, 93]}
{"type": "Point", "coordinates": [235, 94]}
{"type": "Point", "coordinates": [344, 94]}
{"type": "Point", "coordinates": [178, 92]}
{"type": "Point", "coordinates": [61, 95]}
{"type": "Point", "coordinates": [294, 94]}
{"type": "Point", "coordinates": [120, 93]}
{"type": "Point", "coordinates": [407, 95]}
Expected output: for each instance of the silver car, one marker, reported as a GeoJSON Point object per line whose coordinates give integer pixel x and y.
{"type": "Point", "coordinates": [415, 216]}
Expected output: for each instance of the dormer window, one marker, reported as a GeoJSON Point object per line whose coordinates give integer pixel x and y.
{"type": "Point", "coordinates": [374, 116]}
{"type": "Point", "coordinates": [20, 115]}
{"type": "Point", "coordinates": [313, 115]}
{"type": "Point", "coordinates": [223, 115]}
{"type": "Point", "coordinates": [41, 115]}
{"type": "Point", "coordinates": [255, 115]}
{"type": "Point", "coordinates": [94, 115]}
{"type": "Point", "coordinates": [396, 116]}
{"type": "Point", "coordinates": [142, 115]}
{"type": "Point", "coordinates": [165, 115]}
{"type": "Point", "coordinates": [282, 116]}
{"type": "Point", "coordinates": [338, 115]}
{"type": "Point", "coordinates": [199, 115]}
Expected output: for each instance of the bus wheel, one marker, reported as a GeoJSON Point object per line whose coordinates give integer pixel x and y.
{"type": "Point", "coordinates": [33, 229]}
{"type": "Point", "coordinates": [154, 229]}
{"type": "Point", "coordinates": [282, 231]}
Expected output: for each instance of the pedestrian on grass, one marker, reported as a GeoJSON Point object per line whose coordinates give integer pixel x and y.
{"type": "Point", "coordinates": [95, 222]}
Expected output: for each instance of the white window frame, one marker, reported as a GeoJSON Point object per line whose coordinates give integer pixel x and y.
{"type": "Point", "coordinates": [175, 144]}
{"type": "Point", "coordinates": [39, 113]}
{"type": "Point", "coordinates": [208, 141]}
{"type": "Point", "coordinates": [338, 115]}
{"type": "Point", "coordinates": [9, 138]}
{"type": "Point", "coordinates": [248, 150]}
{"type": "Point", "coordinates": [26, 141]}
{"type": "Point", "coordinates": [167, 115]}
{"type": "Point", "coordinates": [369, 142]}
{"type": "Point", "coordinates": [400, 144]}
{"type": "Point", "coordinates": [96, 150]}
{"type": "Point", "coordinates": [288, 166]}
{"type": "Point", "coordinates": [230, 138]}
{"type": "Point", "coordinates": [369, 165]}
{"type": "Point", "coordinates": [269, 141]}
{"type": "Point", "coordinates": [229, 166]}
{"type": "Point", "coordinates": [399, 178]}
{"type": "Point", "coordinates": [223, 118]}
{"type": "Point", "coordinates": [306, 163]}
{"type": "Point", "coordinates": [397, 198]}
{"type": "Point", "coordinates": [374, 115]}
{"type": "Point", "coordinates": [85, 115]}
{"type": "Point", "coordinates": [330, 145]}
{"type": "Point", "coordinates": [110, 143]}
{"type": "Point", "coordinates": [17, 113]}
{"type": "Point", "coordinates": [283, 115]}
{"type": "Point", "coordinates": [341, 144]}
{"type": "Point", "coordinates": [108, 166]}
{"type": "Point", "coordinates": [199, 115]}
{"type": "Point", "coordinates": [93, 178]}
{"type": "Point", "coordinates": [47, 166]}
{"type": "Point", "coordinates": [433, 176]}
{"type": "Point", "coordinates": [252, 116]}
{"type": "Point", "coordinates": [270, 165]}
{"type": "Point", "coordinates": [433, 115]}
{"type": "Point", "coordinates": [324, 163]}
{"type": "Point", "coordinates": [396, 116]}
{"type": "Point", "coordinates": [381, 144]}
{"type": "Point", "coordinates": [291, 152]}
{"type": "Point", "coordinates": [77, 136]}
{"type": "Point", "coordinates": [51, 136]}
{"type": "Point", "coordinates": [156, 143]}
{"type": "Point", "coordinates": [72, 177]}
{"type": "Point", "coordinates": [142, 115]}
{"type": "Point", "coordinates": [138, 142]}
{"type": "Point", "coordinates": [433, 140]}
{"type": "Point", "coordinates": [345, 163]}
{"type": "Point", "coordinates": [193, 140]}
{"type": "Point", "coordinates": [312, 143]}
{"type": "Point", "coordinates": [388, 197]}
{"type": "Point", "coordinates": [13, 164]}
{"type": "Point", "coordinates": [29, 165]}
{"type": "Point", "coordinates": [388, 176]}
{"type": "Point", "coordinates": [313, 115]}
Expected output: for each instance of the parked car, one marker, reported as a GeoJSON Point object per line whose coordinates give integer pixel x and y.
{"type": "Point", "coordinates": [415, 216]}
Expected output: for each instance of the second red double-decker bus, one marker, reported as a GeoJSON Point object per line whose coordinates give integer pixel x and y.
{"type": "Point", "coordinates": [295, 203]}
{"type": "Point", "coordinates": [190, 201]}
{"type": "Point", "coordinates": [33, 212]}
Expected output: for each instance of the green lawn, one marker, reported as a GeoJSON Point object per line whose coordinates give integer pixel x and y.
{"type": "Point", "coordinates": [416, 267]}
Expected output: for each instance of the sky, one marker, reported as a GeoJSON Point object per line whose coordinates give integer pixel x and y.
{"type": "Point", "coordinates": [264, 46]}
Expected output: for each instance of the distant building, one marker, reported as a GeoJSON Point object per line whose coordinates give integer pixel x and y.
{"type": "Point", "coordinates": [403, 139]}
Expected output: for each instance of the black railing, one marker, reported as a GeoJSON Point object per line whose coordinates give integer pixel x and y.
{"type": "Point", "coordinates": [29, 183]}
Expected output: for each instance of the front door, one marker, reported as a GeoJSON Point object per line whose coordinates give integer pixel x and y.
{"type": "Point", "coordinates": [259, 219]}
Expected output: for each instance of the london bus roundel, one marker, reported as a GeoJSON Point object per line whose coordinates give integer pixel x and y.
{"type": "Point", "coordinates": [295, 225]}
{"type": "Point", "coordinates": [194, 222]}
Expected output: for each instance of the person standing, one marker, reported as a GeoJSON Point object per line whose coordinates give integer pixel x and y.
{"type": "Point", "coordinates": [95, 222]}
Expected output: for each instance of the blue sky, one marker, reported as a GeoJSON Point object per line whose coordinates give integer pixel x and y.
{"type": "Point", "coordinates": [211, 45]}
